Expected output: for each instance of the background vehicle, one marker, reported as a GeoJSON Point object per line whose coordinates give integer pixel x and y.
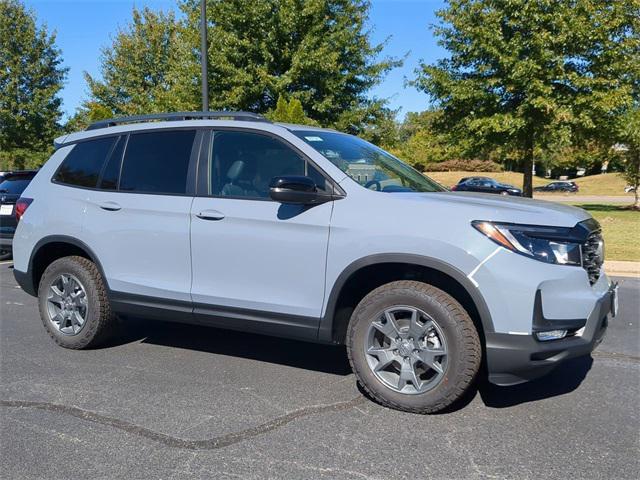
{"type": "Point", "coordinates": [570, 187]}
{"type": "Point", "coordinates": [302, 232]}
{"type": "Point", "coordinates": [485, 185]}
{"type": "Point", "coordinates": [629, 189]}
{"type": "Point", "coordinates": [11, 187]}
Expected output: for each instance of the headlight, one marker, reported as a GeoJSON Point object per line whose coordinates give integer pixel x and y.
{"type": "Point", "coordinates": [540, 242]}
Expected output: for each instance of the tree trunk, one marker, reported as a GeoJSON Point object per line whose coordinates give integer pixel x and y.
{"type": "Point", "coordinates": [636, 205]}
{"type": "Point", "coordinates": [527, 181]}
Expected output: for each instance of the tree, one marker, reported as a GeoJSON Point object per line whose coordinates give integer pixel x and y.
{"type": "Point", "coordinates": [289, 112]}
{"type": "Point", "coordinates": [146, 69]}
{"type": "Point", "coordinates": [527, 75]}
{"type": "Point", "coordinates": [316, 51]}
{"type": "Point", "coordinates": [421, 144]}
{"type": "Point", "coordinates": [31, 76]}
{"type": "Point", "coordinates": [629, 135]}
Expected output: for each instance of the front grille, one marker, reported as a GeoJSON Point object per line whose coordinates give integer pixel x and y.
{"type": "Point", "coordinates": [593, 256]}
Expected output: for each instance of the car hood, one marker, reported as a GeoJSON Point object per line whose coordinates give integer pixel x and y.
{"type": "Point", "coordinates": [481, 206]}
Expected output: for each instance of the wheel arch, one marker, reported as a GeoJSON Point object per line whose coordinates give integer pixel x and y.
{"type": "Point", "coordinates": [367, 273]}
{"type": "Point", "coordinates": [49, 249]}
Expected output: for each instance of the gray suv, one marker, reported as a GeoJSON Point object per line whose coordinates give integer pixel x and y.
{"type": "Point", "coordinates": [229, 220]}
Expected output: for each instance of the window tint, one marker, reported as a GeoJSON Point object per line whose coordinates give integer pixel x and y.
{"type": "Point", "coordinates": [111, 171]}
{"type": "Point", "coordinates": [157, 162]}
{"type": "Point", "coordinates": [15, 184]}
{"type": "Point", "coordinates": [242, 164]}
{"type": "Point", "coordinates": [84, 162]}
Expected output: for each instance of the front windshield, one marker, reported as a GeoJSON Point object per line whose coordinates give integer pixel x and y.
{"type": "Point", "coordinates": [367, 164]}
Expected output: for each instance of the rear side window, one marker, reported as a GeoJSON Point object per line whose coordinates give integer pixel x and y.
{"type": "Point", "coordinates": [83, 164]}
{"type": "Point", "coordinates": [157, 162]}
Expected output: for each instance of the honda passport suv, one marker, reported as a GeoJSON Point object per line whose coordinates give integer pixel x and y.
{"type": "Point", "coordinates": [229, 220]}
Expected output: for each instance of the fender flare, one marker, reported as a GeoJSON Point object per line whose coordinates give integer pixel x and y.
{"type": "Point", "coordinates": [325, 330]}
{"type": "Point", "coordinates": [28, 276]}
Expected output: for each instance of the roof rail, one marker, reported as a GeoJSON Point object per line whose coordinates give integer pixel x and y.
{"type": "Point", "coordinates": [243, 116]}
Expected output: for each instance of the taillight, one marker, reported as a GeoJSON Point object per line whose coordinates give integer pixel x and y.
{"type": "Point", "coordinates": [21, 206]}
{"type": "Point", "coordinates": [454, 188]}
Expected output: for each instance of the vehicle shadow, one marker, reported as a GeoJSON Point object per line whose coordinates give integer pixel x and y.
{"type": "Point", "coordinates": [566, 378]}
{"type": "Point", "coordinates": [309, 356]}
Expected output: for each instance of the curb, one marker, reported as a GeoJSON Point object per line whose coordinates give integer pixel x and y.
{"type": "Point", "coordinates": [622, 269]}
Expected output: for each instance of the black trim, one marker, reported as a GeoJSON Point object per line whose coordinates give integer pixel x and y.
{"type": "Point", "coordinates": [325, 332]}
{"type": "Point", "coordinates": [27, 282]}
{"type": "Point", "coordinates": [177, 116]}
{"type": "Point", "coordinates": [513, 359]}
{"type": "Point", "coordinates": [232, 318]}
{"type": "Point", "coordinates": [542, 324]}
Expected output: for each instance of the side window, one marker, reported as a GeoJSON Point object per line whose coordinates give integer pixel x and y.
{"type": "Point", "coordinates": [82, 166]}
{"type": "Point", "coordinates": [157, 162]}
{"type": "Point", "coordinates": [242, 164]}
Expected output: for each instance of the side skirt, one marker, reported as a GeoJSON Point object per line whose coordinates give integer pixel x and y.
{"type": "Point", "coordinates": [232, 318]}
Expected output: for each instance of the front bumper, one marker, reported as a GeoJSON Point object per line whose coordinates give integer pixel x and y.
{"type": "Point", "coordinates": [513, 359]}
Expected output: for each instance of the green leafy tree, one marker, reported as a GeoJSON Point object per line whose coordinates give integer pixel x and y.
{"type": "Point", "coordinates": [421, 144]}
{"type": "Point", "coordinates": [144, 70]}
{"type": "Point", "coordinates": [318, 52]}
{"type": "Point", "coordinates": [629, 136]}
{"type": "Point", "coordinates": [290, 112]}
{"type": "Point", "coordinates": [528, 75]}
{"type": "Point", "coordinates": [31, 77]}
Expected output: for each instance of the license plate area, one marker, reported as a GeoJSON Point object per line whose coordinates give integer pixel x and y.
{"type": "Point", "coordinates": [6, 209]}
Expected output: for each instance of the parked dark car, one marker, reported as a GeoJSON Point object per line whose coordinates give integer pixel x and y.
{"type": "Point", "coordinates": [570, 187]}
{"type": "Point", "coordinates": [485, 185]}
{"type": "Point", "coordinates": [12, 185]}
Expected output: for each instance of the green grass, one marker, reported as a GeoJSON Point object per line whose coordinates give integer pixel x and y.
{"type": "Point", "coordinates": [621, 230]}
{"type": "Point", "coordinates": [609, 184]}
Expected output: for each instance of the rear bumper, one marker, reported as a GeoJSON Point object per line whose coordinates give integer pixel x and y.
{"type": "Point", "coordinates": [513, 359]}
{"type": "Point", "coordinates": [6, 241]}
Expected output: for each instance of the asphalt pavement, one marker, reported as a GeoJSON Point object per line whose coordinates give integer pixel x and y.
{"type": "Point", "coordinates": [176, 401]}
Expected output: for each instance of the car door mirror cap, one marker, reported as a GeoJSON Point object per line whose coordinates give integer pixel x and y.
{"type": "Point", "coordinates": [297, 189]}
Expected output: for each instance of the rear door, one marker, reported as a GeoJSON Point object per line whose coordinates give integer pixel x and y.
{"type": "Point", "coordinates": [257, 263]}
{"type": "Point", "coordinates": [137, 219]}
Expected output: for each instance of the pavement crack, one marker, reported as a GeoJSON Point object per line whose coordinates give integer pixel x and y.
{"type": "Point", "coordinates": [175, 442]}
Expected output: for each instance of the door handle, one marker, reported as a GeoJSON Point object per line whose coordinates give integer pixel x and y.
{"type": "Point", "coordinates": [110, 206]}
{"type": "Point", "coordinates": [210, 215]}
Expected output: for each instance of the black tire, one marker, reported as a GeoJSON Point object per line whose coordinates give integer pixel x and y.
{"type": "Point", "coordinates": [100, 322]}
{"type": "Point", "coordinates": [5, 255]}
{"type": "Point", "coordinates": [464, 348]}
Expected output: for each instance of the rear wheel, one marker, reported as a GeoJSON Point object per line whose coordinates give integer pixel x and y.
{"type": "Point", "coordinates": [5, 254]}
{"type": "Point", "coordinates": [74, 307]}
{"type": "Point", "coordinates": [413, 347]}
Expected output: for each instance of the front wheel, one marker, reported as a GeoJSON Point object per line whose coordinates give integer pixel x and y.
{"type": "Point", "coordinates": [413, 347]}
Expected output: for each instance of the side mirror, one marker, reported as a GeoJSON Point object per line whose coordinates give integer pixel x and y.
{"type": "Point", "coordinates": [296, 189]}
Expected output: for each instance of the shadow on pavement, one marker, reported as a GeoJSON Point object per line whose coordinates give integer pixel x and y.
{"type": "Point", "coordinates": [333, 360]}
{"type": "Point", "coordinates": [564, 379]}
{"type": "Point", "coordinates": [293, 353]}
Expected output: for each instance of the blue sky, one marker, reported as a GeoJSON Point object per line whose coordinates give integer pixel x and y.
{"type": "Point", "coordinates": [84, 26]}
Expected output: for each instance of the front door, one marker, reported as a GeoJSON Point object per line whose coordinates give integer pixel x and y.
{"type": "Point", "coordinates": [257, 263]}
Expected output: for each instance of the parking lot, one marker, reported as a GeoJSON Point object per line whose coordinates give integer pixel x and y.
{"type": "Point", "coordinates": [176, 401]}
